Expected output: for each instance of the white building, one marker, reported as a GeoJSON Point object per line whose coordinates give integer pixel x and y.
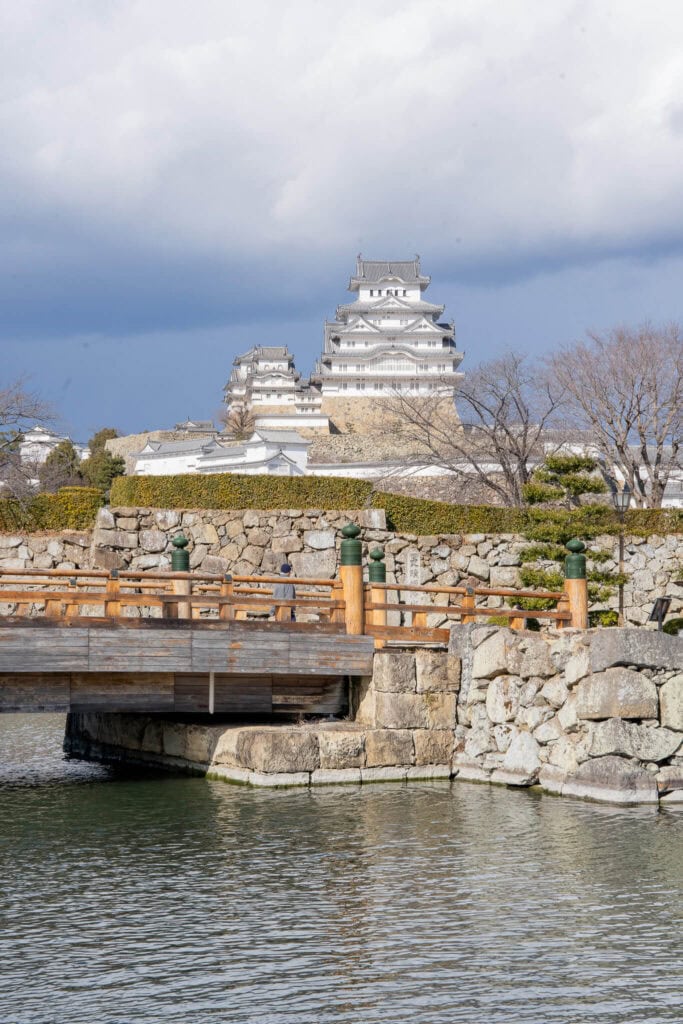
{"type": "Point", "coordinates": [39, 442]}
{"type": "Point", "coordinates": [280, 453]}
{"type": "Point", "coordinates": [389, 338]}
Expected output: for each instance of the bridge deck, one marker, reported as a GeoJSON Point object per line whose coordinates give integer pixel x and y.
{"type": "Point", "coordinates": [189, 666]}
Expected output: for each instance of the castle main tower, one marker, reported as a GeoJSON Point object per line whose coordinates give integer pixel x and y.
{"type": "Point", "coordinates": [388, 340]}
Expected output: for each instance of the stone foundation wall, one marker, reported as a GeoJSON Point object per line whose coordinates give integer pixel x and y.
{"type": "Point", "coordinates": [248, 542]}
{"type": "Point", "coordinates": [594, 714]}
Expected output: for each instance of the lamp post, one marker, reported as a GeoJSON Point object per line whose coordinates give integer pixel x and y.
{"type": "Point", "coordinates": [622, 502]}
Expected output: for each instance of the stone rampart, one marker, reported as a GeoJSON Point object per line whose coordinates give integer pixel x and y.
{"type": "Point", "coordinates": [595, 714]}
{"type": "Point", "coordinates": [248, 542]}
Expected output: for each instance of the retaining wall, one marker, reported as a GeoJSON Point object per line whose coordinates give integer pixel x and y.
{"type": "Point", "coordinates": [595, 714]}
{"type": "Point", "coordinates": [248, 542]}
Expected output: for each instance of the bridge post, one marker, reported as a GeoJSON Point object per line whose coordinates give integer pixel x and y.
{"type": "Point", "coordinates": [351, 573]}
{"type": "Point", "coordinates": [468, 604]}
{"type": "Point", "coordinates": [377, 573]}
{"type": "Point", "coordinates": [576, 584]}
{"type": "Point", "coordinates": [112, 604]}
{"type": "Point", "coordinates": [227, 611]}
{"type": "Point", "coordinates": [180, 562]}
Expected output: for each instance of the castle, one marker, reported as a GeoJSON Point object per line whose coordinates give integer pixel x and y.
{"type": "Point", "coordinates": [389, 339]}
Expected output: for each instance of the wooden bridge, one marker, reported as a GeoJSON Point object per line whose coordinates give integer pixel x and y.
{"type": "Point", "coordinates": [196, 643]}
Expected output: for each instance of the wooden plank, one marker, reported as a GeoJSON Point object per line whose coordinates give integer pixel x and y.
{"type": "Point", "coordinates": [45, 650]}
{"type": "Point", "coordinates": [120, 649]}
{"type": "Point", "coordinates": [308, 695]}
{"type": "Point", "coordinates": [411, 634]}
{"type": "Point", "coordinates": [122, 691]}
{"type": "Point", "coordinates": [34, 691]}
{"type": "Point", "coordinates": [238, 694]}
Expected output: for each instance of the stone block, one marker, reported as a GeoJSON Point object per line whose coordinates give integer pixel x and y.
{"type": "Point", "coordinates": [389, 774]}
{"type": "Point", "coordinates": [642, 647]}
{"type": "Point", "coordinates": [55, 548]}
{"type": "Point", "coordinates": [402, 710]}
{"type": "Point", "coordinates": [173, 743]}
{"type": "Point", "coordinates": [152, 540]}
{"type": "Point", "coordinates": [552, 779]}
{"type": "Point", "coordinates": [385, 747]}
{"type": "Point", "coordinates": [314, 564]}
{"type": "Point", "coordinates": [674, 797]}
{"type": "Point", "coordinates": [335, 776]}
{"type": "Point", "coordinates": [206, 534]}
{"type": "Point", "coordinates": [433, 746]}
{"type": "Point", "coordinates": [521, 762]}
{"type": "Point", "coordinates": [114, 538]}
{"type": "Point", "coordinates": [393, 672]}
{"type": "Point", "coordinates": [502, 699]}
{"type": "Point", "coordinates": [197, 555]}
{"type": "Point", "coordinates": [437, 671]}
{"type": "Point", "coordinates": [215, 564]}
{"type": "Point", "coordinates": [43, 561]}
{"type": "Point", "coordinates": [167, 519]}
{"type": "Point", "coordinates": [228, 773]}
{"type": "Point", "coordinates": [426, 772]}
{"type": "Point", "coordinates": [504, 576]}
{"type": "Point", "coordinates": [278, 750]}
{"type": "Point", "coordinates": [286, 545]}
{"type": "Point", "coordinates": [577, 667]}
{"type": "Point", "coordinates": [440, 709]}
{"type": "Point", "coordinates": [261, 538]}
{"type": "Point", "coordinates": [466, 769]}
{"type": "Point", "coordinates": [491, 657]}
{"type": "Point", "coordinates": [105, 519]}
{"type": "Point", "coordinates": [536, 660]}
{"type": "Point", "coordinates": [612, 779]}
{"type": "Point", "coordinates": [279, 780]}
{"type": "Point", "coordinates": [479, 568]}
{"type": "Point", "coordinates": [548, 731]}
{"type": "Point", "coordinates": [616, 693]}
{"type": "Point", "coordinates": [341, 748]}
{"type": "Point", "coordinates": [127, 522]}
{"type": "Point", "coordinates": [252, 555]}
{"type": "Point", "coordinates": [319, 540]}
{"type": "Point", "coordinates": [251, 518]}
{"type": "Point", "coordinates": [555, 692]}
{"type": "Point", "coordinates": [670, 777]}
{"type": "Point", "coordinates": [646, 742]}
{"type": "Point", "coordinates": [671, 703]}
{"type": "Point", "coordinates": [567, 715]}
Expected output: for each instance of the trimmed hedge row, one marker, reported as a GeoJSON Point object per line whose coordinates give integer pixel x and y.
{"type": "Point", "coordinates": [415, 515]}
{"type": "Point", "coordinates": [71, 508]}
{"type": "Point", "coordinates": [234, 491]}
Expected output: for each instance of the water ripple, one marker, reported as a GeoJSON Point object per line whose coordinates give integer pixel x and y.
{"type": "Point", "coordinates": [137, 899]}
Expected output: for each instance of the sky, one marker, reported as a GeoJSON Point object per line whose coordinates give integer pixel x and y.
{"type": "Point", "coordinates": [179, 182]}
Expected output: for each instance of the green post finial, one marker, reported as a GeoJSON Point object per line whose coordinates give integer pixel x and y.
{"type": "Point", "coordinates": [575, 562]}
{"type": "Point", "coordinates": [180, 558]}
{"type": "Point", "coordinates": [377, 571]}
{"type": "Point", "coordinates": [351, 547]}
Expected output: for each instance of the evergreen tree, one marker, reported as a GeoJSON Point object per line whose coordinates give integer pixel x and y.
{"type": "Point", "coordinates": [563, 479]}
{"type": "Point", "coordinates": [100, 469]}
{"type": "Point", "coordinates": [62, 468]}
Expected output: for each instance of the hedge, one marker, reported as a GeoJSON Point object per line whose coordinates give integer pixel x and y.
{"type": "Point", "coordinates": [71, 508]}
{"type": "Point", "coordinates": [234, 491]}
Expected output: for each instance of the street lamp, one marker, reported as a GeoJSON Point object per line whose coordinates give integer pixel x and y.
{"type": "Point", "coordinates": [622, 502]}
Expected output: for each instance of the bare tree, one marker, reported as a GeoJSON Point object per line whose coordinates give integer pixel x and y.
{"type": "Point", "coordinates": [238, 422]}
{"type": "Point", "coordinates": [506, 409]}
{"type": "Point", "coordinates": [625, 388]}
{"type": "Point", "coordinates": [19, 408]}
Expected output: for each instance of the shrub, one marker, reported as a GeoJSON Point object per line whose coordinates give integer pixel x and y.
{"type": "Point", "coordinates": [232, 490]}
{"type": "Point", "coordinates": [673, 627]}
{"type": "Point", "coordinates": [71, 508]}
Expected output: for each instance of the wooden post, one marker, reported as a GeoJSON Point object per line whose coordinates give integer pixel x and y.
{"type": "Point", "coordinates": [73, 608]}
{"type": "Point", "coordinates": [337, 594]}
{"type": "Point", "coordinates": [351, 574]}
{"type": "Point", "coordinates": [112, 603]}
{"type": "Point", "coordinates": [576, 584]}
{"type": "Point", "coordinates": [468, 605]}
{"type": "Point", "coordinates": [377, 573]}
{"type": "Point", "coordinates": [183, 588]}
{"type": "Point", "coordinates": [226, 612]}
{"type": "Point", "coordinates": [517, 622]}
{"type": "Point", "coordinates": [563, 607]}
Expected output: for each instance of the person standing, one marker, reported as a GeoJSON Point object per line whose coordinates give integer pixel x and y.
{"type": "Point", "coordinates": [285, 591]}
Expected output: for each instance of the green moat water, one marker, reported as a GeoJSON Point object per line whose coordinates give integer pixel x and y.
{"type": "Point", "coordinates": [128, 899]}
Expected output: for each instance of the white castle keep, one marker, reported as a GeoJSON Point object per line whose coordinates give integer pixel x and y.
{"type": "Point", "coordinates": [389, 339]}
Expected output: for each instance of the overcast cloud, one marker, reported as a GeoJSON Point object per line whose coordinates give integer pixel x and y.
{"type": "Point", "coordinates": [180, 181]}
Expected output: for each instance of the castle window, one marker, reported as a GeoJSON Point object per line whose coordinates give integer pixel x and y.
{"type": "Point", "coordinates": [404, 291]}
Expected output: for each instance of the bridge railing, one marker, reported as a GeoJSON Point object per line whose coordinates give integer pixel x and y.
{"type": "Point", "coordinates": [377, 608]}
{"type": "Point", "coordinates": [68, 594]}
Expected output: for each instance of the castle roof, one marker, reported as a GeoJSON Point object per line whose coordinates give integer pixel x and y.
{"type": "Point", "coordinates": [264, 352]}
{"type": "Point", "coordinates": [373, 271]}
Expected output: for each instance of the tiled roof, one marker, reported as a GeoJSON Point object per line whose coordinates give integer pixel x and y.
{"type": "Point", "coordinates": [371, 271]}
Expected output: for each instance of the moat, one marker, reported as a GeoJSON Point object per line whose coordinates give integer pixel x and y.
{"type": "Point", "coordinates": [142, 898]}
